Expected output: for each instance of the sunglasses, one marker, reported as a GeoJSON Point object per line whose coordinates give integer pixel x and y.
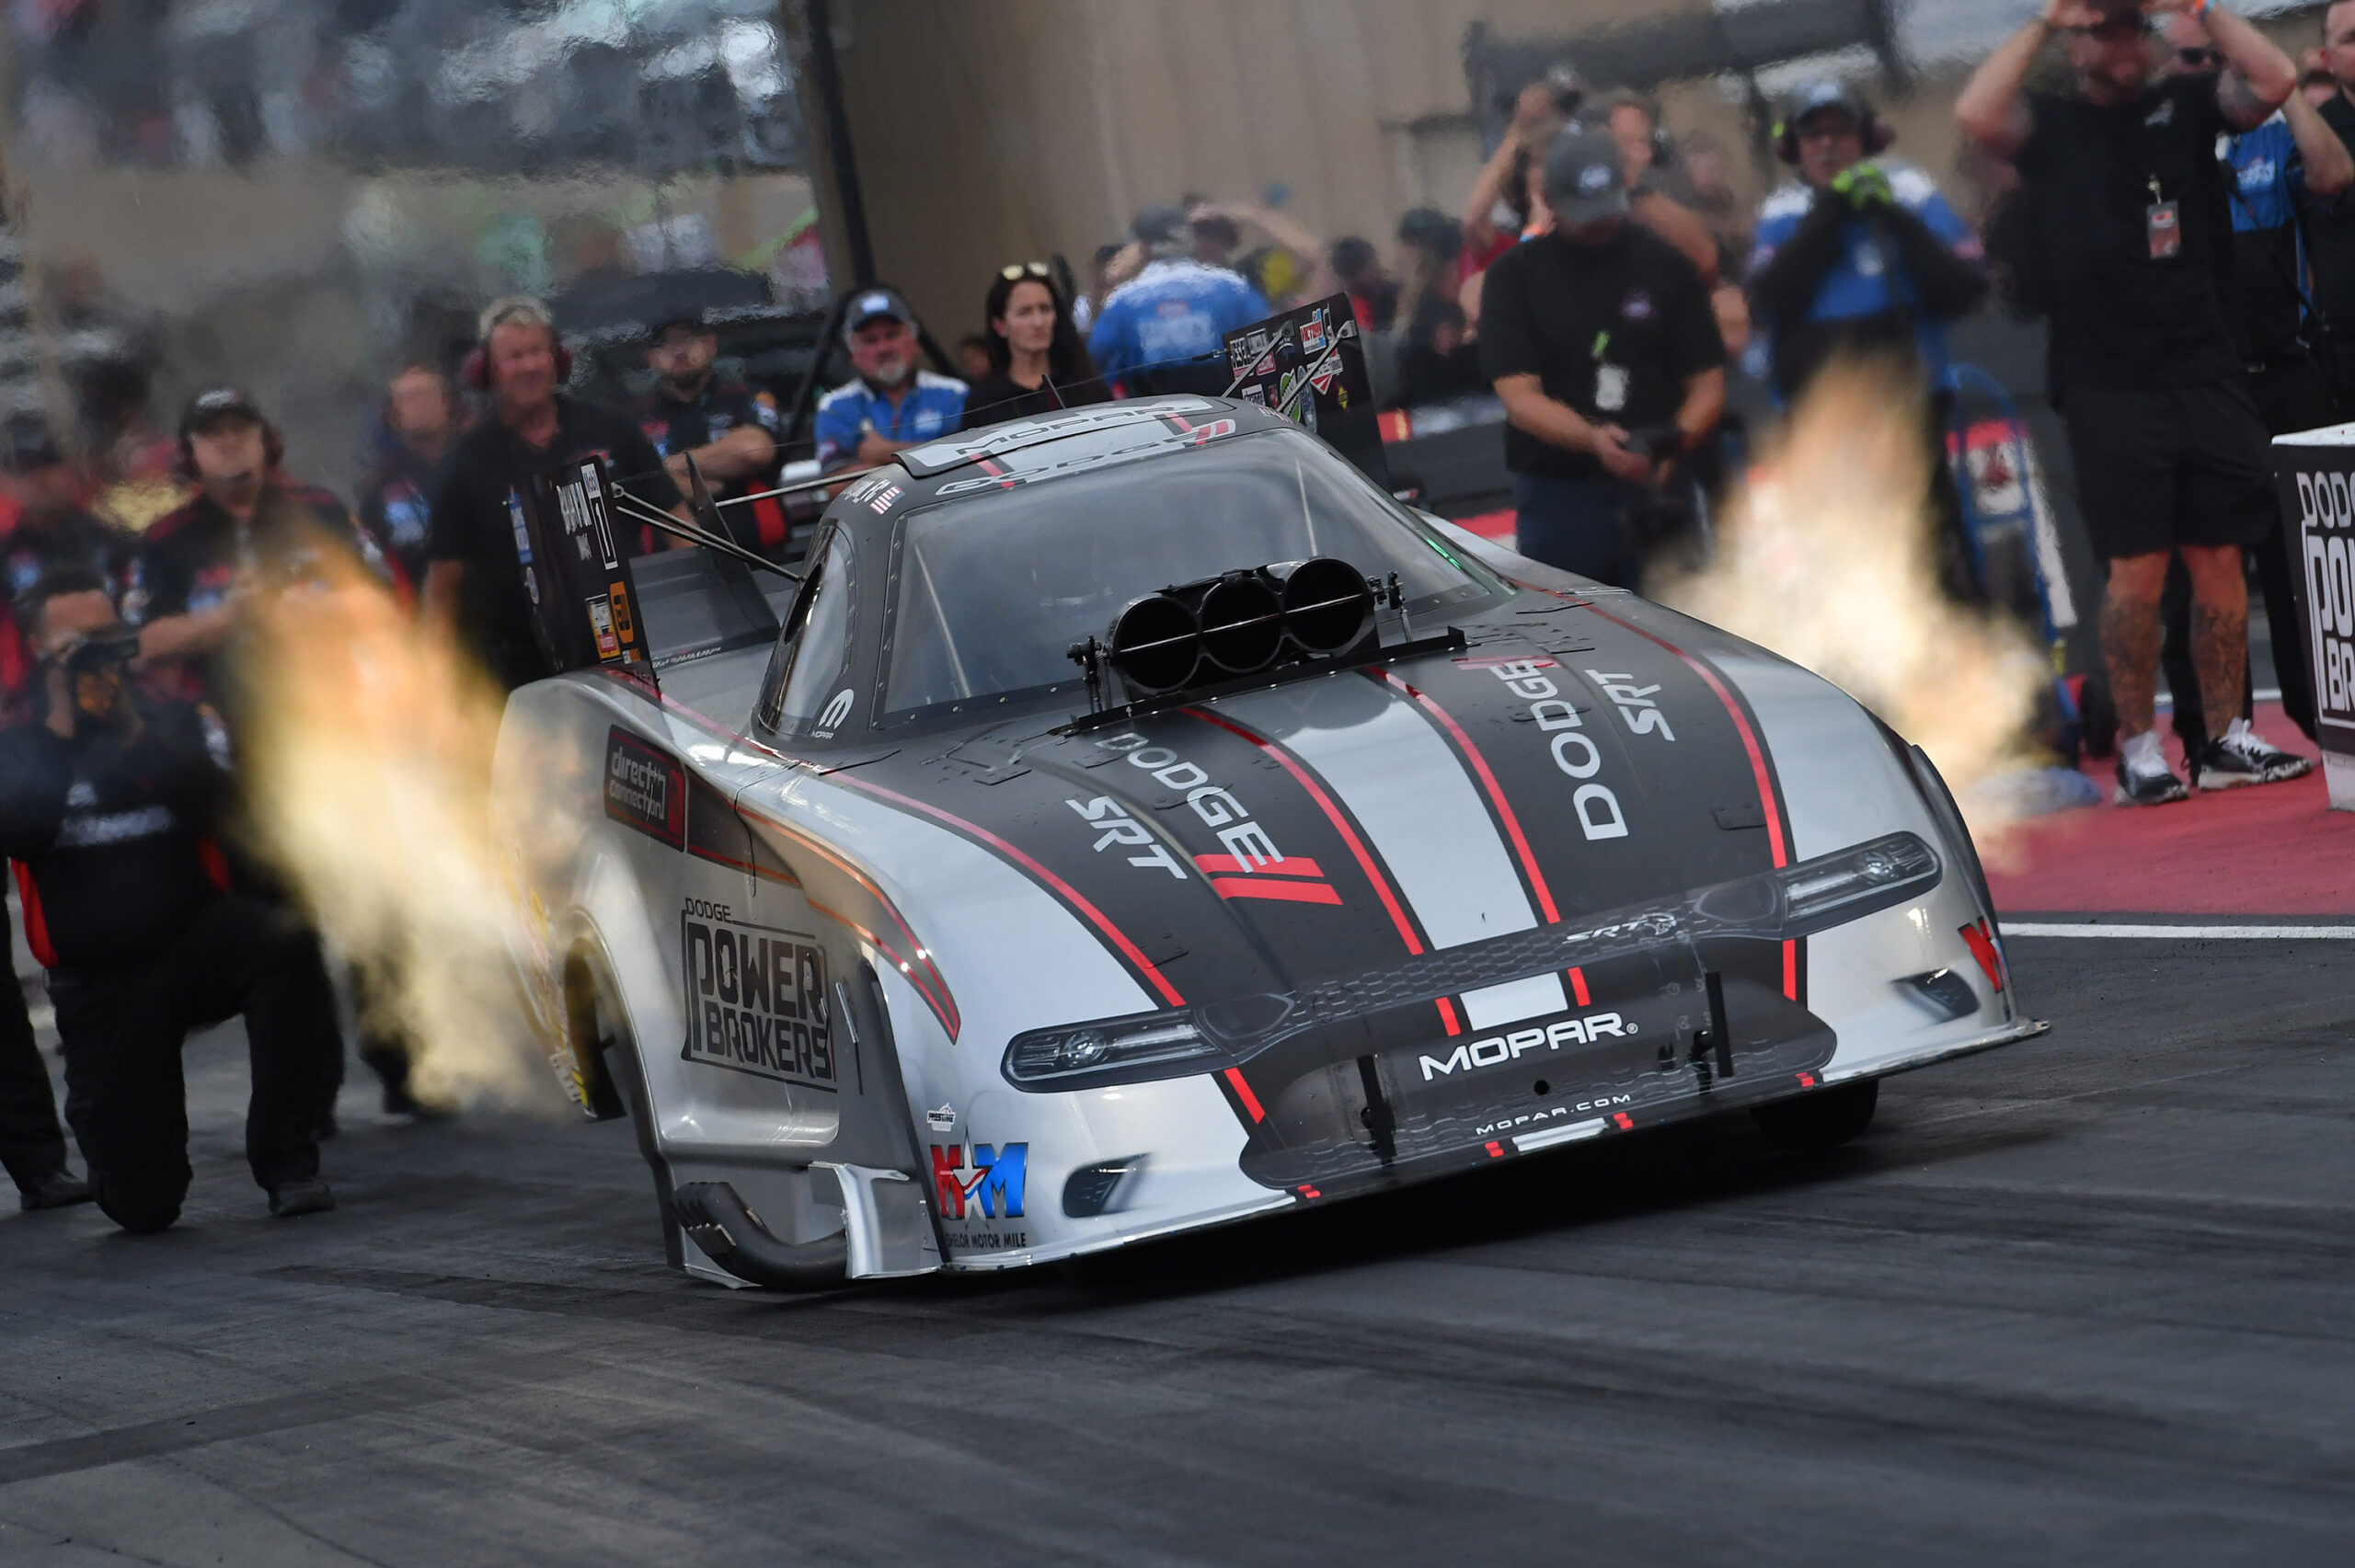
{"type": "Point", "coordinates": [2200, 57]}
{"type": "Point", "coordinates": [1014, 272]}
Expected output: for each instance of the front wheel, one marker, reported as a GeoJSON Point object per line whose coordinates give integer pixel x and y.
{"type": "Point", "coordinates": [1825, 1119]}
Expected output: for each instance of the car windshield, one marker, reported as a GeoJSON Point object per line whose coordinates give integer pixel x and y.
{"type": "Point", "coordinates": [991, 591]}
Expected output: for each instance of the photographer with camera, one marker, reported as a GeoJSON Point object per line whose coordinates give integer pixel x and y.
{"type": "Point", "coordinates": [1604, 347]}
{"type": "Point", "coordinates": [1860, 255]}
{"type": "Point", "coordinates": [109, 803]}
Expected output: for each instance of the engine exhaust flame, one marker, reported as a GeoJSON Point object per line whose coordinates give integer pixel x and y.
{"type": "Point", "coordinates": [1827, 557]}
{"type": "Point", "coordinates": [369, 762]}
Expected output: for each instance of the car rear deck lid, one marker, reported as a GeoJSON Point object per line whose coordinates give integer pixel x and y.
{"type": "Point", "coordinates": [937, 458]}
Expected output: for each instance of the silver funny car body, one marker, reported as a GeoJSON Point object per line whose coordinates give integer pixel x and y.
{"type": "Point", "coordinates": [912, 943]}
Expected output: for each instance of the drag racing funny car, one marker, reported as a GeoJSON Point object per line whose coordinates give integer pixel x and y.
{"type": "Point", "coordinates": [1137, 820]}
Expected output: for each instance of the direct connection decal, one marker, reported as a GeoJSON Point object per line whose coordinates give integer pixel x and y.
{"type": "Point", "coordinates": [645, 788]}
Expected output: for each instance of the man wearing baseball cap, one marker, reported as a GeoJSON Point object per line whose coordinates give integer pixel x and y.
{"type": "Point", "coordinates": [891, 404]}
{"type": "Point", "coordinates": [728, 428]}
{"type": "Point", "coordinates": [1604, 347]}
{"type": "Point", "coordinates": [248, 525]}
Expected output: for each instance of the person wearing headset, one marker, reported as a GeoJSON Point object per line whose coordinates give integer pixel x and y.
{"type": "Point", "coordinates": [1858, 256]}
{"type": "Point", "coordinates": [1645, 149]}
{"type": "Point", "coordinates": [249, 527]}
{"type": "Point", "coordinates": [474, 577]}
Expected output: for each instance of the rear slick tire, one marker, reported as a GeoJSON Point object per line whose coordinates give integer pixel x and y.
{"type": "Point", "coordinates": [1823, 1120]}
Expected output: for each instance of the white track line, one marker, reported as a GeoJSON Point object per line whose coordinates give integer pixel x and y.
{"type": "Point", "coordinates": [2186, 933]}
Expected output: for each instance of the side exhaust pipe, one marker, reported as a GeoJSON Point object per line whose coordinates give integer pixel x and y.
{"type": "Point", "coordinates": [732, 1236]}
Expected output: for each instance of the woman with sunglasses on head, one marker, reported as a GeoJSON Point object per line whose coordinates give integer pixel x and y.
{"type": "Point", "coordinates": [1038, 361]}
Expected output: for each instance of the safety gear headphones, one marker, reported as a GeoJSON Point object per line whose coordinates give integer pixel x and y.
{"type": "Point", "coordinates": [513, 308]}
{"type": "Point", "coordinates": [1875, 135]}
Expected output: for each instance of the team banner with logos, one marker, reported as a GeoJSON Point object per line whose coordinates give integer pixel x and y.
{"type": "Point", "coordinates": [1309, 364]}
{"type": "Point", "coordinates": [2315, 473]}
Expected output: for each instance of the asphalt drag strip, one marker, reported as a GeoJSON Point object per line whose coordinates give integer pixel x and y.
{"type": "Point", "coordinates": [2085, 1298]}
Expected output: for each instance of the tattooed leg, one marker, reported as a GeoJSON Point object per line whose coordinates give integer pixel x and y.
{"type": "Point", "coordinates": [2131, 637]}
{"type": "Point", "coordinates": [2219, 632]}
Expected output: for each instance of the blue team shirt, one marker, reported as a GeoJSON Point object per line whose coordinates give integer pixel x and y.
{"type": "Point", "coordinates": [2270, 174]}
{"type": "Point", "coordinates": [934, 406]}
{"type": "Point", "coordinates": [1866, 281]}
{"type": "Point", "coordinates": [1172, 310]}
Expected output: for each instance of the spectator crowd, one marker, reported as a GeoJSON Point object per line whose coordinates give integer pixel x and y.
{"type": "Point", "coordinates": [2174, 202]}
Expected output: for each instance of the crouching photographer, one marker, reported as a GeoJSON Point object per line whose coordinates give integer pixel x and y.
{"type": "Point", "coordinates": [109, 800]}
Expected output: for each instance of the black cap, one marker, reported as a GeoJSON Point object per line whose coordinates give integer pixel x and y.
{"type": "Point", "coordinates": [877, 304]}
{"type": "Point", "coordinates": [1586, 176]}
{"type": "Point", "coordinates": [692, 320]}
{"type": "Point", "coordinates": [1817, 97]}
{"type": "Point", "coordinates": [216, 404]}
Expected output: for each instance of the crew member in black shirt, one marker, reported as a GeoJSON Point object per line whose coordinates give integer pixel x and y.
{"type": "Point", "coordinates": [52, 529]}
{"type": "Point", "coordinates": [2131, 242]}
{"type": "Point", "coordinates": [2330, 226]}
{"type": "Point", "coordinates": [109, 800]}
{"type": "Point", "coordinates": [474, 579]}
{"type": "Point", "coordinates": [51, 533]}
{"type": "Point", "coordinates": [1604, 347]}
{"type": "Point", "coordinates": [726, 427]}
{"type": "Point", "coordinates": [250, 528]}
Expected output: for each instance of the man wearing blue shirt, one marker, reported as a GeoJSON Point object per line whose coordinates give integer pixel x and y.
{"type": "Point", "coordinates": [892, 405]}
{"type": "Point", "coordinates": [1165, 330]}
{"type": "Point", "coordinates": [1857, 257]}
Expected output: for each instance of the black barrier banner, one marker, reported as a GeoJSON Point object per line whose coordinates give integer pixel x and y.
{"type": "Point", "coordinates": [2316, 482]}
{"type": "Point", "coordinates": [1309, 364]}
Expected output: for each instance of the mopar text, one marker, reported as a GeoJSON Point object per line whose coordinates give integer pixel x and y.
{"type": "Point", "coordinates": [1498, 1050]}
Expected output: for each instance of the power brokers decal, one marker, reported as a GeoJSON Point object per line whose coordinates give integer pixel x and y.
{"type": "Point", "coordinates": [756, 999]}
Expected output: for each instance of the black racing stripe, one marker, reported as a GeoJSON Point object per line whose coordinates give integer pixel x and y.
{"type": "Point", "coordinates": [1772, 799]}
{"type": "Point", "coordinates": [1613, 759]}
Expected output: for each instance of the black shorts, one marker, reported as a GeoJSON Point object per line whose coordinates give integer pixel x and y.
{"type": "Point", "coordinates": [2156, 469]}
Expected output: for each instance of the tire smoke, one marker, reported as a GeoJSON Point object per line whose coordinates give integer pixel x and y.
{"type": "Point", "coordinates": [1828, 557]}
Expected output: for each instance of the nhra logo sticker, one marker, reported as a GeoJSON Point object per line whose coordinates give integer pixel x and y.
{"type": "Point", "coordinates": [645, 788]}
{"type": "Point", "coordinates": [756, 1001]}
{"type": "Point", "coordinates": [992, 1184]}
